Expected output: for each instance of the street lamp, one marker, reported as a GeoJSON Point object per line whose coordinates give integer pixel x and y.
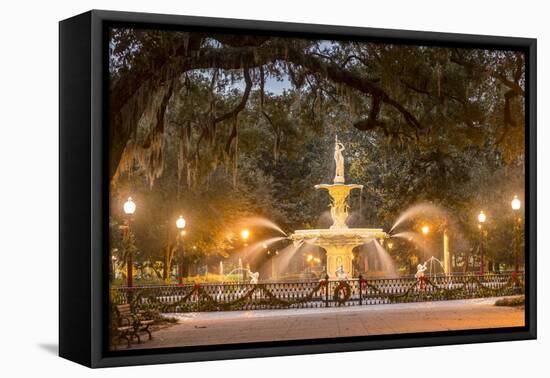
{"type": "Point", "coordinates": [129, 208]}
{"type": "Point", "coordinates": [180, 225]}
{"type": "Point", "coordinates": [425, 229]}
{"type": "Point", "coordinates": [245, 235]}
{"type": "Point", "coordinates": [516, 205]}
{"type": "Point", "coordinates": [481, 219]}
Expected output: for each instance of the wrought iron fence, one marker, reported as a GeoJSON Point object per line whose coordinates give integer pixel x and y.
{"type": "Point", "coordinates": [310, 294]}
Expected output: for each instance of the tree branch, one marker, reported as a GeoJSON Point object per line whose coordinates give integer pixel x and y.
{"type": "Point", "coordinates": [130, 92]}
{"type": "Point", "coordinates": [240, 106]}
{"type": "Point", "coordinates": [233, 113]}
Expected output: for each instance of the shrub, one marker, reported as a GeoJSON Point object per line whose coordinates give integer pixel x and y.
{"type": "Point", "coordinates": [511, 301]}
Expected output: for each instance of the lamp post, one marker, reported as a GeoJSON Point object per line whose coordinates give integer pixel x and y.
{"type": "Point", "coordinates": [446, 253]}
{"type": "Point", "coordinates": [245, 234]}
{"type": "Point", "coordinates": [481, 219]}
{"type": "Point", "coordinates": [180, 225]}
{"type": "Point", "coordinates": [113, 265]}
{"type": "Point", "coordinates": [129, 208]}
{"type": "Point", "coordinates": [516, 206]}
{"type": "Point", "coordinates": [425, 229]}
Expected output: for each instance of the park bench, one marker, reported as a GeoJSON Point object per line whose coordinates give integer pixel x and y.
{"type": "Point", "coordinates": [135, 320]}
{"type": "Point", "coordinates": [121, 332]}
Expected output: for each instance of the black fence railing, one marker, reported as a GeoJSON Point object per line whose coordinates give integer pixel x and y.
{"type": "Point", "coordinates": [311, 294]}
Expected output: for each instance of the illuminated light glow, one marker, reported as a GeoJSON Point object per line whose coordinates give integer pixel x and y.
{"type": "Point", "coordinates": [180, 223]}
{"type": "Point", "coordinates": [425, 229]}
{"type": "Point", "coordinates": [264, 246]}
{"type": "Point", "coordinates": [516, 203]}
{"type": "Point", "coordinates": [245, 234]}
{"type": "Point", "coordinates": [390, 245]}
{"type": "Point", "coordinates": [309, 258]}
{"type": "Point", "coordinates": [481, 217]}
{"type": "Point", "coordinates": [129, 206]}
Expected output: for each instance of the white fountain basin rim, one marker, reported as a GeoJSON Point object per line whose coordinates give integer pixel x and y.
{"type": "Point", "coordinates": [339, 185]}
{"type": "Point", "coordinates": [358, 234]}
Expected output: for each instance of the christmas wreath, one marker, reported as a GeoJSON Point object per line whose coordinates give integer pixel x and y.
{"type": "Point", "coordinates": [342, 292]}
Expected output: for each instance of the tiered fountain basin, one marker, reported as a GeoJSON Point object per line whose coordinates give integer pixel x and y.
{"type": "Point", "coordinates": [338, 244]}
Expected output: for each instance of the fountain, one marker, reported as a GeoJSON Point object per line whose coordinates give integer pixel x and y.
{"type": "Point", "coordinates": [339, 240]}
{"type": "Point", "coordinates": [253, 276]}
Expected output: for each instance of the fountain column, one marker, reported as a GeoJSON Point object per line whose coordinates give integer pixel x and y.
{"type": "Point", "coordinates": [339, 240]}
{"type": "Point", "coordinates": [274, 271]}
{"type": "Point", "coordinates": [446, 253]}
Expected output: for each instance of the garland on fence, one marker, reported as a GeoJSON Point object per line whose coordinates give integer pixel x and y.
{"type": "Point", "coordinates": [198, 299]}
{"type": "Point", "coordinates": [272, 300]}
{"type": "Point", "coordinates": [151, 301]}
{"type": "Point", "coordinates": [442, 292]}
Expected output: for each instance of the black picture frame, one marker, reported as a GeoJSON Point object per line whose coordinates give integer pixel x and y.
{"type": "Point", "coordinates": [83, 195]}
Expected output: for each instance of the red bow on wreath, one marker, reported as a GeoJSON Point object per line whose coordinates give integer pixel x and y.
{"type": "Point", "coordinates": [363, 284]}
{"type": "Point", "coordinates": [343, 288]}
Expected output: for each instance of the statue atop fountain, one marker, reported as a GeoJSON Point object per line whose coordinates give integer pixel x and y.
{"type": "Point", "coordinates": [339, 190]}
{"type": "Point", "coordinates": [339, 159]}
{"type": "Point", "coordinates": [339, 240]}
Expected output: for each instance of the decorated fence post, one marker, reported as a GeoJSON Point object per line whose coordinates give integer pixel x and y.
{"type": "Point", "coordinates": [326, 290]}
{"type": "Point", "coordinates": [360, 289]}
{"type": "Point", "coordinates": [421, 268]}
{"type": "Point", "coordinates": [196, 293]}
{"type": "Point", "coordinates": [515, 283]}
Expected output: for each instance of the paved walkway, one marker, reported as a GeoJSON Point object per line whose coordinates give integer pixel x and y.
{"type": "Point", "coordinates": [272, 325]}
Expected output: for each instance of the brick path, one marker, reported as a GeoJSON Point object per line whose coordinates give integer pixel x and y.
{"type": "Point", "coordinates": [271, 325]}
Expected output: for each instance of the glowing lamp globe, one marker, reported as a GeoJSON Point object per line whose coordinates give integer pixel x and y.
{"type": "Point", "coordinates": [180, 223]}
{"type": "Point", "coordinates": [481, 217]}
{"type": "Point", "coordinates": [516, 203]}
{"type": "Point", "coordinates": [425, 230]}
{"type": "Point", "coordinates": [245, 234]}
{"type": "Point", "coordinates": [129, 206]}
